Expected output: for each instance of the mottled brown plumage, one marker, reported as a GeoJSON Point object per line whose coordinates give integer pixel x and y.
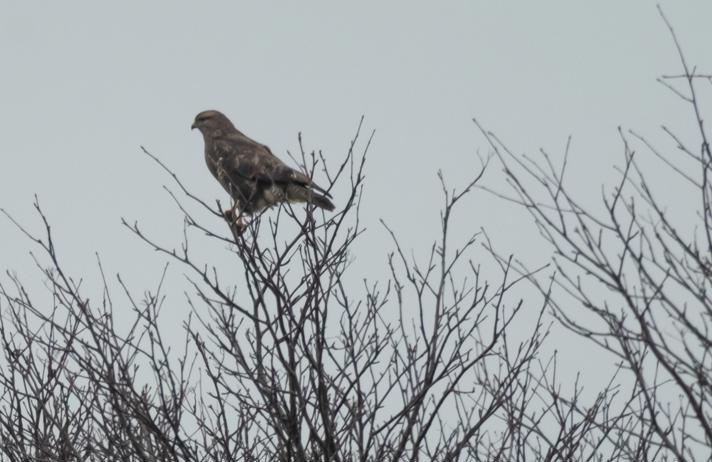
{"type": "Point", "coordinates": [253, 176]}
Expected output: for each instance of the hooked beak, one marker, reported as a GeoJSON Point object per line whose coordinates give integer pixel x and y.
{"type": "Point", "coordinates": [192, 127]}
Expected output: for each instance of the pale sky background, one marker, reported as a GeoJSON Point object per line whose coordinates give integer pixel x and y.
{"type": "Point", "coordinates": [84, 83]}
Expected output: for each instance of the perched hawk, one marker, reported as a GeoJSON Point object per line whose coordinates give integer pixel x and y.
{"type": "Point", "coordinates": [253, 176]}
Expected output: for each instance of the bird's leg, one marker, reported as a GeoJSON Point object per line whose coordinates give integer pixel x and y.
{"type": "Point", "coordinates": [239, 222]}
{"type": "Point", "coordinates": [235, 220]}
{"type": "Point", "coordinates": [240, 225]}
{"type": "Point", "coordinates": [232, 211]}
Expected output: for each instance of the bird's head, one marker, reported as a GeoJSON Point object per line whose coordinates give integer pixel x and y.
{"type": "Point", "coordinates": [212, 123]}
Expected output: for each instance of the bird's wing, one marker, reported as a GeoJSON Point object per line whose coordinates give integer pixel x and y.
{"type": "Point", "coordinates": [251, 160]}
{"type": "Point", "coordinates": [283, 173]}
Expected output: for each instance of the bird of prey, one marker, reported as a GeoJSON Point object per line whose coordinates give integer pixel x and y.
{"type": "Point", "coordinates": [254, 177]}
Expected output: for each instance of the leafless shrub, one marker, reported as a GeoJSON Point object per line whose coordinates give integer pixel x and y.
{"type": "Point", "coordinates": [287, 359]}
{"type": "Point", "coordinates": [641, 272]}
{"type": "Point", "coordinates": [289, 365]}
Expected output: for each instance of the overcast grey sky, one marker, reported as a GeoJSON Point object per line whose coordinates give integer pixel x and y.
{"type": "Point", "coordinates": [84, 83]}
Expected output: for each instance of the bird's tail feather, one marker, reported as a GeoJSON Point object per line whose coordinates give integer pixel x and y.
{"type": "Point", "coordinates": [321, 201]}
{"type": "Point", "coordinates": [301, 194]}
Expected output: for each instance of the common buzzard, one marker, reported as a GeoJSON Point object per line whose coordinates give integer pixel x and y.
{"type": "Point", "coordinates": [253, 176]}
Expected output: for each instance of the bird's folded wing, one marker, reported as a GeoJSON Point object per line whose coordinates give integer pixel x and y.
{"type": "Point", "coordinates": [284, 174]}
{"type": "Point", "coordinates": [251, 160]}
